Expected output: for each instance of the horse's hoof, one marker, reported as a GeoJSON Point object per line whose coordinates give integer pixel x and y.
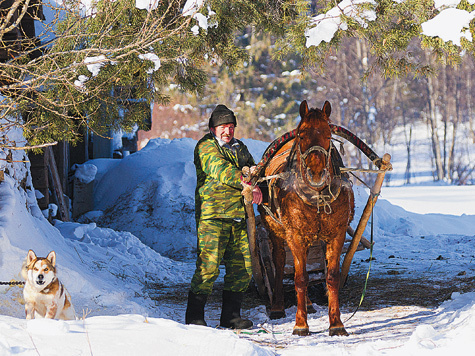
{"type": "Point", "coordinates": [277, 314]}
{"type": "Point", "coordinates": [311, 309]}
{"type": "Point", "coordinates": [301, 331]}
{"type": "Point", "coordinates": [340, 331]}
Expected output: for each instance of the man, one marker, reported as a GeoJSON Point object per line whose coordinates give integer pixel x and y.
{"type": "Point", "coordinates": [221, 221]}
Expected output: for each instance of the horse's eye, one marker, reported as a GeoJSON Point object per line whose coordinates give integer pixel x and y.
{"type": "Point", "coordinates": [46, 269]}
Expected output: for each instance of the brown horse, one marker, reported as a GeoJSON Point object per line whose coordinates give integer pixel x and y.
{"type": "Point", "coordinates": [309, 201]}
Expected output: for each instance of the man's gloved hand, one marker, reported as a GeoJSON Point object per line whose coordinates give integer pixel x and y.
{"type": "Point", "coordinates": [256, 195]}
{"type": "Point", "coordinates": [256, 192]}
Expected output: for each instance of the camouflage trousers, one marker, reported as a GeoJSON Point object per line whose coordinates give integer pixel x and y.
{"type": "Point", "coordinates": [222, 240]}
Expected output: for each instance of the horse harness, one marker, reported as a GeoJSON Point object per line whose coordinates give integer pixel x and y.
{"type": "Point", "coordinates": [299, 178]}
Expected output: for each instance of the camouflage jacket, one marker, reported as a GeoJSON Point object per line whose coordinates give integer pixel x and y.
{"type": "Point", "coordinates": [218, 173]}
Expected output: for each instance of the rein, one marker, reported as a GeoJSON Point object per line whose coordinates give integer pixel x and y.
{"type": "Point", "coordinates": [369, 267]}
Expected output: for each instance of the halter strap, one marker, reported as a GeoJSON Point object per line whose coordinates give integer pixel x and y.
{"type": "Point", "coordinates": [306, 171]}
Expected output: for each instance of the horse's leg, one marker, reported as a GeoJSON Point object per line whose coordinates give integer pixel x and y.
{"type": "Point", "coordinates": [301, 283]}
{"type": "Point", "coordinates": [310, 308]}
{"type": "Point", "coordinates": [333, 284]}
{"type": "Point", "coordinates": [277, 310]}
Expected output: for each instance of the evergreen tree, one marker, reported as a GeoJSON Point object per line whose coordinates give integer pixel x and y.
{"type": "Point", "coordinates": [99, 67]}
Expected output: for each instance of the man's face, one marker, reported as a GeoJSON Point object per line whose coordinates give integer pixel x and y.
{"type": "Point", "coordinates": [224, 132]}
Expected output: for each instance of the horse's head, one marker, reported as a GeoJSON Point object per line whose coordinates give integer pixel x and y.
{"type": "Point", "coordinates": [314, 140]}
{"type": "Point", "coordinates": [314, 128]}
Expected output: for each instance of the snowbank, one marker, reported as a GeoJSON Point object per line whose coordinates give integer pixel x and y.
{"type": "Point", "coordinates": [151, 194]}
{"type": "Point", "coordinates": [109, 272]}
{"type": "Point", "coordinates": [93, 262]}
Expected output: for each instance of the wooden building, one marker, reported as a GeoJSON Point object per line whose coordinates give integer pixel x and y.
{"type": "Point", "coordinates": [21, 38]}
{"type": "Point", "coordinates": [52, 171]}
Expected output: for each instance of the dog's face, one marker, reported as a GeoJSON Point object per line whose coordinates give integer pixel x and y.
{"type": "Point", "coordinates": [41, 271]}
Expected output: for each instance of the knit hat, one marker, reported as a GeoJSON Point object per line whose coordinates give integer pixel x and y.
{"type": "Point", "coordinates": [221, 115]}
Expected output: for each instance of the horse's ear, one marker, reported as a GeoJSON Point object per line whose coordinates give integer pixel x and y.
{"type": "Point", "coordinates": [303, 109]}
{"type": "Point", "coordinates": [327, 109]}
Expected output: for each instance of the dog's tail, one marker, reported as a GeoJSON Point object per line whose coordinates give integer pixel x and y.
{"type": "Point", "coordinates": [24, 270]}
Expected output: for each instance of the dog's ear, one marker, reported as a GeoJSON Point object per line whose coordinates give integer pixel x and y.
{"type": "Point", "coordinates": [31, 256]}
{"type": "Point", "coordinates": [52, 258]}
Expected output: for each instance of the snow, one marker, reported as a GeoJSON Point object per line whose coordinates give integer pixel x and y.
{"type": "Point", "coordinates": [423, 230]}
{"type": "Point", "coordinates": [146, 4]}
{"type": "Point", "coordinates": [86, 173]}
{"type": "Point", "coordinates": [326, 25]}
{"type": "Point", "coordinates": [421, 172]}
{"type": "Point", "coordinates": [154, 59]}
{"type": "Point", "coordinates": [191, 8]}
{"type": "Point", "coordinates": [107, 271]}
{"type": "Point", "coordinates": [80, 81]}
{"type": "Point", "coordinates": [422, 200]}
{"type": "Point", "coordinates": [449, 3]}
{"type": "Point", "coordinates": [450, 25]}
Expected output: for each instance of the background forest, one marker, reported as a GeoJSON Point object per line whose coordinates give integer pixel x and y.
{"type": "Point", "coordinates": [75, 69]}
{"type": "Point", "coordinates": [266, 94]}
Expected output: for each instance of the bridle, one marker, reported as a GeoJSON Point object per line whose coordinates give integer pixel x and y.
{"type": "Point", "coordinates": [319, 193]}
{"type": "Point", "coordinates": [298, 177]}
{"type": "Point", "coordinates": [305, 171]}
{"type": "Point", "coordinates": [301, 169]}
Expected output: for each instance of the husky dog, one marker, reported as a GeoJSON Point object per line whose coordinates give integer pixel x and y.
{"type": "Point", "coordinates": [45, 296]}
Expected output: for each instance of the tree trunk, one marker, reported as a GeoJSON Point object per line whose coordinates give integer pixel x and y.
{"type": "Point", "coordinates": [445, 118]}
{"type": "Point", "coordinates": [456, 121]}
{"type": "Point", "coordinates": [434, 132]}
{"type": "Point", "coordinates": [469, 105]}
{"type": "Point", "coordinates": [408, 139]}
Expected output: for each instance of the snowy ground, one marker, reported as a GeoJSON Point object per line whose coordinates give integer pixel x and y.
{"type": "Point", "coordinates": [422, 233]}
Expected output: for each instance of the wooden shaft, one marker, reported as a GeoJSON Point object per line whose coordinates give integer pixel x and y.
{"type": "Point", "coordinates": [375, 190]}
{"type": "Point", "coordinates": [58, 190]}
{"type": "Point", "coordinates": [366, 244]}
{"type": "Point", "coordinates": [251, 230]}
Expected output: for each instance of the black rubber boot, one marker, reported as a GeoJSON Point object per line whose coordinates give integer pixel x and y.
{"type": "Point", "coordinates": [231, 311]}
{"type": "Point", "coordinates": [195, 310]}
